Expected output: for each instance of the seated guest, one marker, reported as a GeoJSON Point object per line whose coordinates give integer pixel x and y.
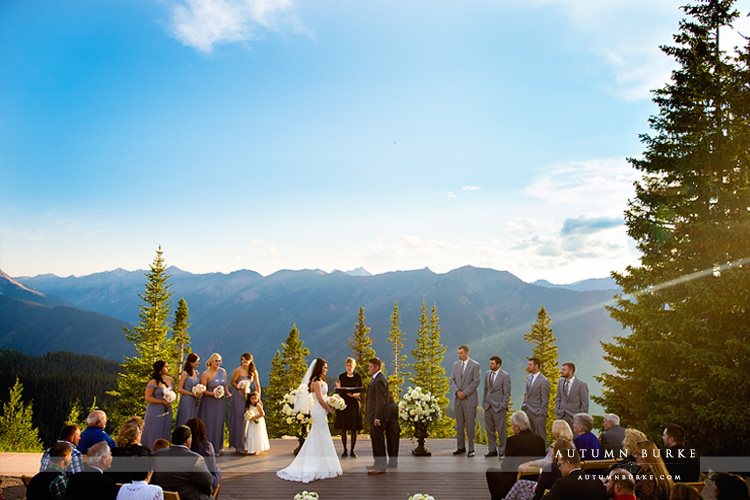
{"type": "Point", "coordinates": [202, 446]}
{"type": "Point", "coordinates": [575, 484]}
{"type": "Point", "coordinates": [128, 445]}
{"type": "Point", "coordinates": [94, 433]}
{"type": "Point", "coordinates": [684, 492]}
{"type": "Point", "coordinates": [586, 442]}
{"type": "Point", "coordinates": [69, 434]}
{"type": "Point", "coordinates": [524, 489]}
{"type": "Point", "coordinates": [51, 483]}
{"type": "Point", "coordinates": [611, 438]}
{"type": "Point", "coordinates": [160, 444]}
{"type": "Point", "coordinates": [620, 485]}
{"type": "Point", "coordinates": [92, 484]}
{"type": "Point", "coordinates": [632, 438]}
{"type": "Point", "coordinates": [523, 444]}
{"type": "Point", "coordinates": [730, 487]}
{"type": "Point", "coordinates": [682, 463]}
{"type": "Point", "coordinates": [654, 482]}
{"type": "Point", "coordinates": [138, 488]}
{"type": "Point", "coordinates": [181, 470]}
{"type": "Point", "coordinates": [560, 430]}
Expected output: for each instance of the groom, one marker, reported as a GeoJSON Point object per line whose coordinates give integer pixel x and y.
{"type": "Point", "coordinates": [377, 402]}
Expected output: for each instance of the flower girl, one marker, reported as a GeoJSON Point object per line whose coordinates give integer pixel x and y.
{"type": "Point", "coordinates": [256, 437]}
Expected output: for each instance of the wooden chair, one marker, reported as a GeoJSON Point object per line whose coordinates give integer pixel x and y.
{"type": "Point", "coordinates": [598, 464]}
{"type": "Point", "coordinates": [697, 486]}
{"type": "Point", "coordinates": [531, 471]}
{"type": "Point", "coordinates": [26, 480]}
{"type": "Point", "coordinates": [171, 495]}
{"type": "Point", "coordinates": [217, 490]}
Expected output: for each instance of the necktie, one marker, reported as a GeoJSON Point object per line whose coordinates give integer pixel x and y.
{"type": "Point", "coordinates": [529, 382]}
{"type": "Point", "coordinates": [566, 386]}
{"type": "Point", "coordinates": [492, 378]}
{"type": "Point", "coordinates": [463, 367]}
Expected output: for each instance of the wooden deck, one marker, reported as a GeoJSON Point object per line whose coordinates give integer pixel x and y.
{"type": "Point", "coordinates": [442, 475]}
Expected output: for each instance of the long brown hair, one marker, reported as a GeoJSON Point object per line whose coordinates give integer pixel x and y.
{"type": "Point", "coordinates": [198, 432]}
{"type": "Point", "coordinates": [251, 365]}
{"type": "Point", "coordinates": [655, 465]}
{"type": "Point", "coordinates": [317, 373]}
{"type": "Point", "coordinates": [188, 367]}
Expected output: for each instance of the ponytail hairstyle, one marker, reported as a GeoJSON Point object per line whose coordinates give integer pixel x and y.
{"type": "Point", "coordinates": [188, 368]}
{"type": "Point", "coordinates": [251, 365]}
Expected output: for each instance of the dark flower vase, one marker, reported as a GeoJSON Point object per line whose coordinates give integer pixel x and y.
{"type": "Point", "coordinates": [420, 432]}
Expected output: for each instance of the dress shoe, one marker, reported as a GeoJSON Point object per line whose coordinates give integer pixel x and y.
{"type": "Point", "coordinates": [470, 454]}
{"type": "Point", "coordinates": [352, 454]}
{"type": "Point", "coordinates": [370, 467]}
{"type": "Point", "coordinates": [375, 472]}
{"type": "Point", "coordinates": [490, 454]}
{"type": "Point", "coordinates": [459, 451]}
{"type": "Point", "coordinates": [345, 454]}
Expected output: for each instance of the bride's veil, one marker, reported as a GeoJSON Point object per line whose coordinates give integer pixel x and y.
{"type": "Point", "coordinates": [303, 401]}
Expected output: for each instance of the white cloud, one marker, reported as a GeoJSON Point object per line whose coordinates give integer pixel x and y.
{"type": "Point", "coordinates": [201, 24]}
{"type": "Point", "coordinates": [470, 188]}
{"type": "Point", "coordinates": [270, 248]}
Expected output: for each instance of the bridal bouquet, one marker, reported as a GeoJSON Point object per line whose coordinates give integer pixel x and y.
{"type": "Point", "coordinates": [219, 392]}
{"type": "Point", "coordinates": [169, 396]}
{"type": "Point", "coordinates": [418, 406]}
{"type": "Point", "coordinates": [198, 389]}
{"type": "Point", "coordinates": [306, 495]}
{"type": "Point", "coordinates": [336, 402]}
{"type": "Point", "coordinates": [244, 385]}
{"type": "Point", "coordinates": [250, 415]}
{"type": "Point", "coordinates": [298, 421]}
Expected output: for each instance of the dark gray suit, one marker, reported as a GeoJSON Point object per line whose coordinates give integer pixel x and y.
{"type": "Point", "coordinates": [575, 401]}
{"type": "Point", "coordinates": [377, 407]}
{"type": "Point", "coordinates": [181, 470]}
{"type": "Point", "coordinates": [536, 404]}
{"type": "Point", "coordinates": [495, 404]}
{"type": "Point", "coordinates": [466, 380]}
{"type": "Point", "coordinates": [612, 440]}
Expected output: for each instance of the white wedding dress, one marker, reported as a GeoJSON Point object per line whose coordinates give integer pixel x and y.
{"type": "Point", "coordinates": [317, 459]}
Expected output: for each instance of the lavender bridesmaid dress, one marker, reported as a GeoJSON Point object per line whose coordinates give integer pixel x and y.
{"type": "Point", "coordinates": [237, 418]}
{"type": "Point", "coordinates": [157, 423]}
{"type": "Point", "coordinates": [212, 411]}
{"type": "Point", "coordinates": [188, 407]}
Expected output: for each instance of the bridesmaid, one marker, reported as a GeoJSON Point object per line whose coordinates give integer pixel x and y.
{"type": "Point", "coordinates": [350, 418]}
{"type": "Point", "coordinates": [158, 419]}
{"type": "Point", "coordinates": [246, 371]}
{"type": "Point", "coordinates": [212, 408]}
{"type": "Point", "coordinates": [188, 407]}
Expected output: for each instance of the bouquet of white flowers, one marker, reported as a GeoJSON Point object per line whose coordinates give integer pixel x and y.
{"type": "Point", "coordinates": [306, 495]}
{"type": "Point", "coordinates": [169, 396]}
{"type": "Point", "coordinates": [418, 406]}
{"type": "Point", "coordinates": [421, 496]}
{"type": "Point", "coordinates": [250, 415]}
{"type": "Point", "coordinates": [244, 385]}
{"type": "Point", "coordinates": [198, 389]}
{"type": "Point", "coordinates": [219, 392]}
{"type": "Point", "coordinates": [336, 402]}
{"type": "Point", "coordinates": [297, 420]}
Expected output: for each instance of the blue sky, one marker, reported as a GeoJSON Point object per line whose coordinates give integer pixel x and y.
{"type": "Point", "coordinates": [280, 134]}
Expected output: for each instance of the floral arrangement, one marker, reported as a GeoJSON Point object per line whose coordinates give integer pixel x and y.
{"type": "Point", "coordinates": [417, 406]}
{"type": "Point", "coordinates": [336, 402]}
{"type": "Point", "coordinates": [250, 415]}
{"type": "Point", "coordinates": [219, 392]}
{"type": "Point", "coordinates": [297, 420]}
{"type": "Point", "coordinates": [243, 385]}
{"type": "Point", "coordinates": [169, 396]}
{"type": "Point", "coordinates": [198, 389]}
{"type": "Point", "coordinates": [421, 496]}
{"type": "Point", "coordinates": [306, 495]}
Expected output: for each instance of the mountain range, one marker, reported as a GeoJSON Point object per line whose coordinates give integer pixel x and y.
{"type": "Point", "coordinates": [487, 310]}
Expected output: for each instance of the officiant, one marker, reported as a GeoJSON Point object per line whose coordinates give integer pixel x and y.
{"type": "Point", "coordinates": [349, 386]}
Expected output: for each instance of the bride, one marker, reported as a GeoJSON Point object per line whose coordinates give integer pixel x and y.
{"type": "Point", "coordinates": [317, 459]}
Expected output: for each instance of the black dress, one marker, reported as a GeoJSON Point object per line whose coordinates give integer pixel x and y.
{"type": "Point", "coordinates": [350, 418]}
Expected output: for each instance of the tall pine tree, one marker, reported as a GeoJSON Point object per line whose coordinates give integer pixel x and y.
{"type": "Point", "coordinates": [180, 335]}
{"type": "Point", "coordinates": [545, 349]}
{"type": "Point", "coordinates": [396, 338]}
{"type": "Point", "coordinates": [686, 304]}
{"type": "Point", "coordinates": [150, 341]}
{"type": "Point", "coordinates": [17, 434]}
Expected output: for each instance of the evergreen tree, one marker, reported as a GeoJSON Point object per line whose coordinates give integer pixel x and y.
{"type": "Point", "coordinates": [17, 434]}
{"type": "Point", "coordinates": [180, 335]}
{"type": "Point", "coordinates": [396, 338]}
{"type": "Point", "coordinates": [545, 349]}
{"type": "Point", "coordinates": [361, 345]}
{"type": "Point", "coordinates": [287, 370]}
{"type": "Point", "coordinates": [150, 341]}
{"type": "Point", "coordinates": [686, 304]}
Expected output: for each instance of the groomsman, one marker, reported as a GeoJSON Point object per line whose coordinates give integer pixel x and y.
{"type": "Point", "coordinates": [572, 395]}
{"type": "Point", "coordinates": [464, 384]}
{"type": "Point", "coordinates": [495, 404]}
{"type": "Point", "coordinates": [536, 399]}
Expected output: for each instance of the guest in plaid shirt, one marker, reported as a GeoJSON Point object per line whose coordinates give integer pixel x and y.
{"type": "Point", "coordinates": [69, 434]}
{"type": "Point", "coordinates": [51, 482]}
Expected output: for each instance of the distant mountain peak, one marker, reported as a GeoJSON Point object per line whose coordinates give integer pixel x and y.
{"type": "Point", "coordinates": [360, 271]}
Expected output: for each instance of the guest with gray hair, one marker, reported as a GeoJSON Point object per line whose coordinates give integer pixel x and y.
{"type": "Point", "coordinates": [522, 446]}
{"type": "Point", "coordinates": [611, 438]}
{"type": "Point", "coordinates": [94, 433]}
{"type": "Point", "coordinates": [586, 443]}
{"type": "Point", "coordinates": [92, 484]}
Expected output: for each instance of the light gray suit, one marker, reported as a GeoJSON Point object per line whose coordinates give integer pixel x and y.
{"type": "Point", "coordinates": [575, 401]}
{"type": "Point", "coordinates": [495, 404]}
{"type": "Point", "coordinates": [467, 381]}
{"type": "Point", "coordinates": [536, 404]}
